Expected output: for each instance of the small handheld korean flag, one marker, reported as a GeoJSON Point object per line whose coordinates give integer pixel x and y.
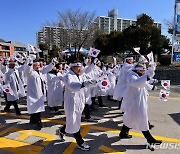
{"type": "Point", "coordinates": [137, 50]}
{"type": "Point", "coordinates": [166, 84]}
{"type": "Point", "coordinates": [18, 57]}
{"type": "Point", "coordinates": [104, 83]}
{"type": "Point", "coordinates": [93, 52]}
{"type": "Point", "coordinates": [164, 95]}
{"type": "Point", "coordinates": [2, 77]}
{"type": "Point", "coordinates": [31, 49]}
{"type": "Point", "coordinates": [150, 58]}
{"type": "Point", "coordinates": [37, 50]}
{"type": "Point", "coordinates": [7, 89]}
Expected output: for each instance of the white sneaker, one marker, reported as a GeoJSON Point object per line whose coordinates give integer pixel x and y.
{"type": "Point", "coordinates": [84, 147]}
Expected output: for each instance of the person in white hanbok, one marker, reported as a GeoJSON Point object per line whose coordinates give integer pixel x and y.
{"type": "Point", "coordinates": [12, 78]}
{"type": "Point", "coordinates": [135, 98]}
{"type": "Point", "coordinates": [55, 89]}
{"type": "Point", "coordinates": [111, 72]}
{"type": "Point", "coordinates": [96, 91]}
{"type": "Point", "coordinates": [36, 90]}
{"type": "Point", "coordinates": [88, 70]}
{"type": "Point", "coordinates": [74, 102]}
{"type": "Point", "coordinates": [120, 87]}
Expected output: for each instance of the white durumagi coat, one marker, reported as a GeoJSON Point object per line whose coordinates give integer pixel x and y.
{"type": "Point", "coordinates": [135, 99]}
{"type": "Point", "coordinates": [22, 75]}
{"type": "Point", "coordinates": [88, 70]}
{"type": "Point", "coordinates": [96, 73]}
{"type": "Point", "coordinates": [121, 84]}
{"type": "Point", "coordinates": [74, 101]}
{"type": "Point", "coordinates": [112, 78]}
{"type": "Point", "coordinates": [55, 95]}
{"type": "Point", "coordinates": [36, 88]}
{"type": "Point", "coordinates": [12, 78]}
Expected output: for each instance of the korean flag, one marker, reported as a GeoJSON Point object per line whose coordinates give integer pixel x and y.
{"type": "Point", "coordinates": [137, 50]}
{"type": "Point", "coordinates": [7, 89]}
{"type": "Point", "coordinates": [93, 52]}
{"type": "Point", "coordinates": [2, 77]}
{"type": "Point", "coordinates": [164, 95]}
{"type": "Point", "coordinates": [104, 83]}
{"type": "Point", "coordinates": [166, 84]}
{"type": "Point", "coordinates": [18, 57]}
{"type": "Point", "coordinates": [31, 49]}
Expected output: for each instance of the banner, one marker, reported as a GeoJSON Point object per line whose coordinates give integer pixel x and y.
{"type": "Point", "coordinates": [176, 57]}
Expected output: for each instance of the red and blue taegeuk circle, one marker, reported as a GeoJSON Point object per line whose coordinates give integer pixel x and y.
{"type": "Point", "coordinates": [104, 83]}
{"type": "Point", "coordinates": [7, 90]}
{"type": "Point", "coordinates": [94, 52]}
{"type": "Point", "coordinates": [164, 95]}
{"type": "Point", "coordinates": [166, 84]}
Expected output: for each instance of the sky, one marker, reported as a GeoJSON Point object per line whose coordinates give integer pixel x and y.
{"type": "Point", "coordinates": [21, 19]}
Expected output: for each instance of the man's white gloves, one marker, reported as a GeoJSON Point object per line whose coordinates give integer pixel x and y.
{"type": "Point", "coordinates": [153, 81]}
{"type": "Point", "coordinates": [54, 60]}
{"type": "Point", "coordinates": [29, 61]}
{"type": "Point", "coordinates": [89, 83]}
{"type": "Point", "coordinates": [95, 60]}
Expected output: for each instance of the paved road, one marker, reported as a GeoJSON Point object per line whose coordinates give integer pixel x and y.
{"type": "Point", "coordinates": [18, 136]}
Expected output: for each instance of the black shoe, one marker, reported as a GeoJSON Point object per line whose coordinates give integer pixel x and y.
{"type": "Point", "coordinates": [39, 125]}
{"type": "Point", "coordinates": [102, 105]}
{"type": "Point", "coordinates": [151, 144]}
{"type": "Point", "coordinates": [5, 110]}
{"type": "Point", "coordinates": [93, 108]}
{"type": "Point", "coordinates": [151, 126]}
{"type": "Point", "coordinates": [125, 136]}
{"type": "Point", "coordinates": [60, 134]}
{"type": "Point", "coordinates": [32, 122]}
{"type": "Point", "coordinates": [157, 142]}
{"type": "Point", "coordinates": [18, 113]}
{"type": "Point", "coordinates": [90, 120]}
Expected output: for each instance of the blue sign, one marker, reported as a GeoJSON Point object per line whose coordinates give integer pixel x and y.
{"type": "Point", "coordinates": [176, 57]}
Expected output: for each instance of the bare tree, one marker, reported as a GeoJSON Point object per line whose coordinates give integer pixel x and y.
{"type": "Point", "coordinates": [80, 28]}
{"type": "Point", "coordinates": [170, 26]}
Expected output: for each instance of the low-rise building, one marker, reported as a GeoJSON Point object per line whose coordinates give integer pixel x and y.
{"type": "Point", "coordinates": [7, 49]}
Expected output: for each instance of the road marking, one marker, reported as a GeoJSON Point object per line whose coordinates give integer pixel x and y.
{"type": "Point", "coordinates": [109, 150]}
{"type": "Point", "coordinates": [83, 124]}
{"type": "Point", "coordinates": [27, 133]}
{"type": "Point", "coordinates": [73, 145]}
{"type": "Point", "coordinates": [18, 147]}
{"type": "Point", "coordinates": [22, 147]}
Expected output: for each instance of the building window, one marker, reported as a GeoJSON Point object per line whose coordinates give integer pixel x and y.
{"type": "Point", "coordinates": [4, 47]}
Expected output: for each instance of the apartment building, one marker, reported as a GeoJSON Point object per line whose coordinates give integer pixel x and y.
{"type": "Point", "coordinates": [112, 22]}
{"type": "Point", "coordinates": [59, 36]}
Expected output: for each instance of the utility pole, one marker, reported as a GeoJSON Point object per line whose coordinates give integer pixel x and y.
{"type": "Point", "coordinates": [174, 33]}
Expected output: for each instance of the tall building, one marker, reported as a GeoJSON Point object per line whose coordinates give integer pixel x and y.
{"type": "Point", "coordinates": [60, 36]}
{"type": "Point", "coordinates": [112, 22]}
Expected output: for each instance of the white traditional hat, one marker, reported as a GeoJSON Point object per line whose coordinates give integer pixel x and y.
{"type": "Point", "coordinates": [75, 64]}
{"type": "Point", "coordinates": [129, 58]}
